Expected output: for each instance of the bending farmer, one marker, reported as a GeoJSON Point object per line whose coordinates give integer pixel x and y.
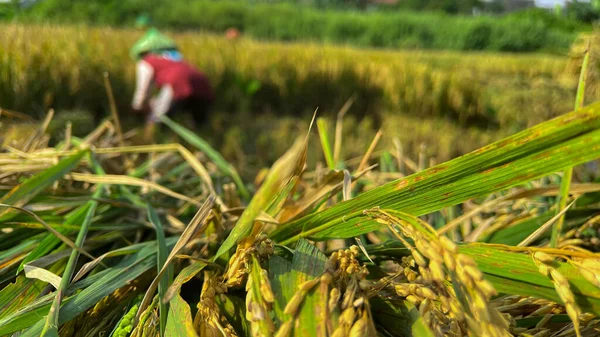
{"type": "Point", "coordinates": [181, 86]}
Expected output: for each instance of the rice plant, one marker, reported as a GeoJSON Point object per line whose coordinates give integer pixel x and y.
{"type": "Point", "coordinates": [104, 238]}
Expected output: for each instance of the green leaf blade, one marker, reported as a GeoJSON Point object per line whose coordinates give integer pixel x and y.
{"type": "Point", "coordinates": [23, 193]}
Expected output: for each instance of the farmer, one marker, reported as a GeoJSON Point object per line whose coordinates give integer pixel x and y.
{"type": "Point", "coordinates": [180, 85]}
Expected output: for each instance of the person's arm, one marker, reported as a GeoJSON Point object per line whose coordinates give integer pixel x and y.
{"type": "Point", "coordinates": [144, 74]}
{"type": "Point", "coordinates": [161, 104]}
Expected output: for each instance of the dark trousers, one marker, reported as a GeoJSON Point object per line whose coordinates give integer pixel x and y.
{"type": "Point", "coordinates": [199, 108]}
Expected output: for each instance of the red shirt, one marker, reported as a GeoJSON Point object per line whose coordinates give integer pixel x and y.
{"type": "Point", "coordinates": [185, 80]}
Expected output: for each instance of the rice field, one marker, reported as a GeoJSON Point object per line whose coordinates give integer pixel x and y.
{"type": "Point", "coordinates": [62, 66]}
{"type": "Point", "coordinates": [479, 97]}
{"type": "Point", "coordinates": [102, 236]}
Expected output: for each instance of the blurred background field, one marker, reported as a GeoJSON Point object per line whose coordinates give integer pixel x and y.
{"type": "Point", "coordinates": [473, 97]}
{"type": "Point", "coordinates": [447, 78]}
{"type": "Point", "coordinates": [423, 24]}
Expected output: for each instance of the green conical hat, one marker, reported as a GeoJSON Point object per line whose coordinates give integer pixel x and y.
{"type": "Point", "coordinates": [151, 41]}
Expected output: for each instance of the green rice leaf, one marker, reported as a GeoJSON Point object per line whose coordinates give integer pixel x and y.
{"type": "Point", "coordinates": [215, 156]}
{"type": "Point", "coordinates": [51, 241]}
{"type": "Point", "coordinates": [565, 184]}
{"type": "Point", "coordinates": [285, 277]}
{"type": "Point", "coordinates": [274, 190]}
{"type": "Point", "coordinates": [517, 232]}
{"type": "Point", "coordinates": [196, 226]}
{"type": "Point", "coordinates": [516, 273]}
{"type": "Point", "coordinates": [179, 323]}
{"type": "Point", "coordinates": [51, 325]}
{"type": "Point", "coordinates": [185, 275]}
{"type": "Point", "coordinates": [549, 147]}
{"type": "Point", "coordinates": [93, 290]}
{"type": "Point", "coordinates": [513, 271]}
{"type": "Point", "coordinates": [323, 128]}
{"type": "Point", "coordinates": [279, 269]}
{"type": "Point", "coordinates": [162, 254]}
{"type": "Point", "coordinates": [234, 309]}
{"type": "Point", "coordinates": [18, 294]}
{"type": "Point", "coordinates": [398, 318]}
{"type": "Point", "coordinates": [23, 193]}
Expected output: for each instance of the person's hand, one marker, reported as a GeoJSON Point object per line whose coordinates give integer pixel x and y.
{"type": "Point", "coordinates": [141, 111]}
